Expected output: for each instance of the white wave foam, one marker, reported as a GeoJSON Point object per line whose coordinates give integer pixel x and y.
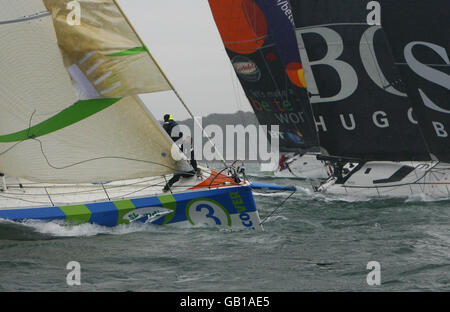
{"type": "Point", "coordinates": [276, 218]}
{"type": "Point", "coordinates": [275, 194]}
{"type": "Point", "coordinates": [422, 197]}
{"type": "Point", "coordinates": [6, 221]}
{"type": "Point", "coordinates": [307, 193]}
{"type": "Point", "coordinates": [341, 198]}
{"type": "Point", "coordinates": [63, 229]}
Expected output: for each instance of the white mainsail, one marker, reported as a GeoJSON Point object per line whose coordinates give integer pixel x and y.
{"type": "Point", "coordinates": [47, 134]}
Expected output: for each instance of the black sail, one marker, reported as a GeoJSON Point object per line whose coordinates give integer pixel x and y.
{"type": "Point", "coordinates": [359, 100]}
{"type": "Point", "coordinates": [419, 32]}
{"type": "Point", "coordinates": [259, 38]}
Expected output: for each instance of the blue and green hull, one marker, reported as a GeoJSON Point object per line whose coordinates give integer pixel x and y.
{"type": "Point", "coordinates": [228, 207]}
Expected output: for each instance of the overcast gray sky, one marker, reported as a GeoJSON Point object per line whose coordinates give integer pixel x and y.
{"type": "Point", "coordinates": [183, 38]}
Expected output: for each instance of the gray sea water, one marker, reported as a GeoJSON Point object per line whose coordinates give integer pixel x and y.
{"type": "Point", "coordinates": [311, 243]}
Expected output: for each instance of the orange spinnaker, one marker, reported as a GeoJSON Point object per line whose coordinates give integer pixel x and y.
{"type": "Point", "coordinates": [241, 23]}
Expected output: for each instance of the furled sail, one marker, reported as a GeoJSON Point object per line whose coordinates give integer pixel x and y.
{"type": "Point", "coordinates": [259, 38]}
{"type": "Point", "coordinates": [359, 101]}
{"type": "Point", "coordinates": [69, 113]}
{"type": "Point", "coordinates": [419, 33]}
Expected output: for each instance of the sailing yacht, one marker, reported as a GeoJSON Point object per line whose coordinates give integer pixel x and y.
{"type": "Point", "coordinates": [260, 41]}
{"type": "Point", "coordinates": [76, 141]}
{"type": "Point", "coordinates": [382, 93]}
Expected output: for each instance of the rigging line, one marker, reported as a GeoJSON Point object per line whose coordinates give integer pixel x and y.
{"type": "Point", "coordinates": [378, 70]}
{"type": "Point", "coordinates": [334, 24]}
{"type": "Point", "coordinates": [49, 197]}
{"type": "Point", "coordinates": [274, 82]}
{"type": "Point", "coordinates": [283, 96]}
{"type": "Point", "coordinates": [374, 58]}
{"type": "Point", "coordinates": [372, 52]}
{"type": "Point", "coordinates": [237, 95]}
{"type": "Point", "coordinates": [26, 18]}
{"type": "Point", "coordinates": [78, 163]}
{"type": "Point", "coordinates": [92, 159]}
{"type": "Point", "coordinates": [422, 134]}
{"type": "Point", "coordinates": [154, 185]}
{"type": "Point", "coordinates": [246, 178]}
{"type": "Point", "coordinates": [433, 65]}
{"type": "Point", "coordinates": [218, 173]}
{"type": "Point", "coordinates": [301, 110]}
{"type": "Point", "coordinates": [170, 188]}
{"type": "Point", "coordinates": [212, 180]}
{"type": "Point", "coordinates": [97, 190]}
{"type": "Point", "coordinates": [137, 191]}
{"type": "Point", "coordinates": [103, 187]}
{"type": "Point", "coordinates": [102, 157]}
{"type": "Point", "coordinates": [171, 85]}
{"type": "Point", "coordinates": [25, 200]}
{"type": "Point", "coordinates": [10, 148]}
{"type": "Point", "coordinates": [29, 123]}
{"type": "Point", "coordinates": [279, 206]}
{"type": "Point", "coordinates": [268, 69]}
{"type": "Point", "coordinates": [33, 185]}
{"type": "Point", "coordinates": [245, 41]}
{"type": "Point", "coordinates": [19, 142]}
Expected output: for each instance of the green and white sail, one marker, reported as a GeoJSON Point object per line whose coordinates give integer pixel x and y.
{"type": "Point", "coordinates": [69, 110]}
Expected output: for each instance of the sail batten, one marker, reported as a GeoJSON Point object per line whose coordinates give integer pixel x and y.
{"type": "Point", "coordinates": [26, 18]}
{"type": "Point", "coordinates": [99, 45]}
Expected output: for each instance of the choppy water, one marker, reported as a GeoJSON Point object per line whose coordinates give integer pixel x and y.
{"type": "Point", "coordinates": [312, 243]}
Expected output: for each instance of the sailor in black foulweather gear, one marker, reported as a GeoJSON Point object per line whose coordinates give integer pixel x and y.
{"type": "Point", "coordinates": [169, 125]}
{"type": "Point", "coordinates": [339, 171]}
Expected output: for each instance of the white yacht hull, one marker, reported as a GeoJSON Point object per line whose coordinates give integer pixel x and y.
{"type": "Point", "coordinates": [304, 167]}
{"type": "Point", "coordinates": [393, 179]}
